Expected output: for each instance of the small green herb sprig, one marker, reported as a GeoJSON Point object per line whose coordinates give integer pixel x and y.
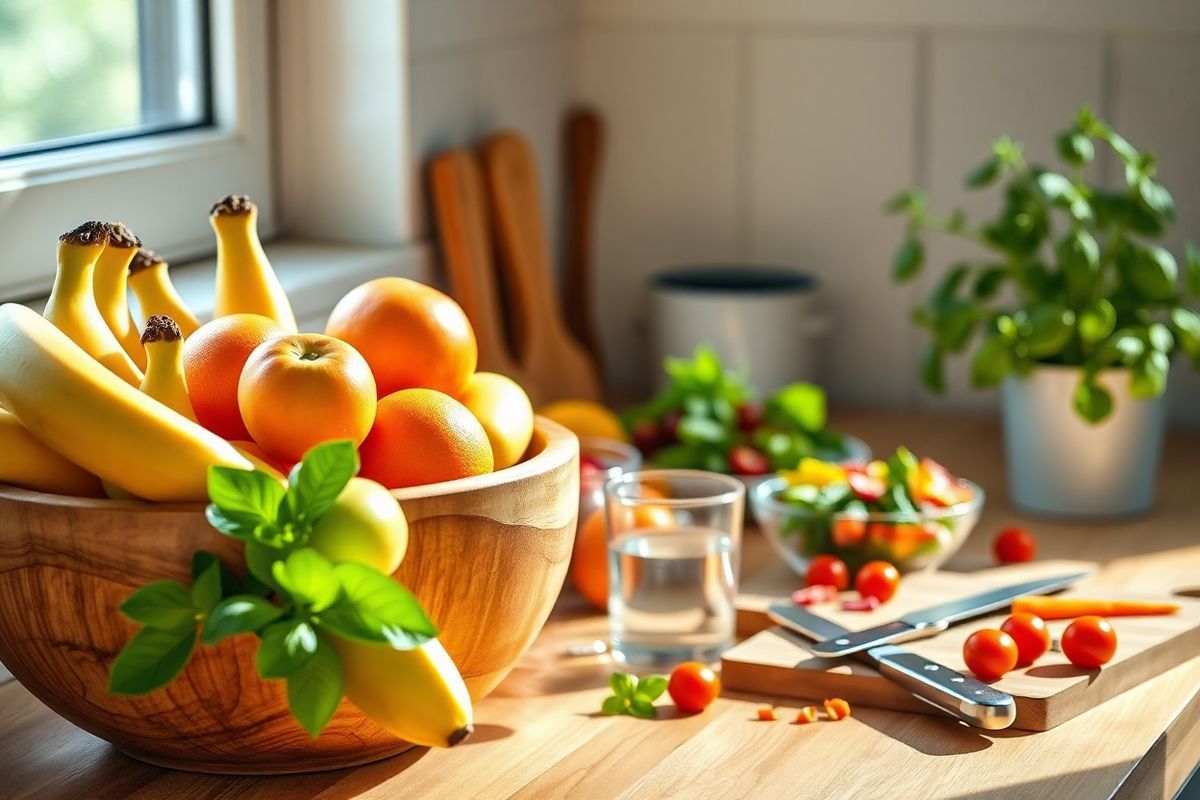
{"type": "Point", "coordinates": [707, 398]}
{"type": "Point", "coordinates": [292, 597]}
{"type": "Point", "coordinates": [1090, 289]}
{"type": "Point", "coordinates": [634, 696]}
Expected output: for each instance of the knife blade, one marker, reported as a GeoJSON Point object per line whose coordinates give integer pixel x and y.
{"type": "Point", "coordinates": [958, 695]}
{"type": "Point", "coordinates": [935, 619]}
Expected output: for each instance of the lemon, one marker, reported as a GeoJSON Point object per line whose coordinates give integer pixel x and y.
{"type": "Point", "coordinates": [585, 418]}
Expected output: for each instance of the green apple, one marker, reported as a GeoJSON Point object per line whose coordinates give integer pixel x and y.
{"type": "Point", "coordinates": [365, 524]}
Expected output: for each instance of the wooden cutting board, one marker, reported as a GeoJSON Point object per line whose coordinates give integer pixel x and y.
{"type": "Point", "coordinates": [776, 662]}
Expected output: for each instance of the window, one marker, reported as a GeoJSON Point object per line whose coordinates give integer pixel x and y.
{"type": "Point", "coordinates": [84, 71]}
{"type": "Point", "coordinates": [144, 111]}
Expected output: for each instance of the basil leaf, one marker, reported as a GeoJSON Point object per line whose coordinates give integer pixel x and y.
{"type": "Point", "coordinates": [613, 705]}
{"type": "Point", "coordinates": [1092, 401]}
{"type": "Point", "coordinates": [1149, 378]}
{"type": "Point", "coordinates": [1097, 321]}
{"type": "Point", "coordinates": [800, 405]}
{"type": "Point", "coordinates": [161, 604]}
{"type": "Point", "coordinates": [985, 174]}
{"type": "Point", "coordinates": [642, 708]}
{"type": "Point", "coordinates": [1192, 257]}
{"type": "Point", "coordinates": [908, 259]}
{"type": "Point", "coordinates": [202, 560]}
{"type": "Point", "coordinates": [1187, 330]}
{"type": "Point", "coordinates": [285, 648]}
{"type": "Point", "coordinates": [316, 481]}
{"type": "Point", "coordinates": [206, 591]}
{"type": "Point", "coordinates": [701, 430]}
{"type": "Point", "coordinates": [371, 607]}
{"type": "Point", "coordinates": [259, 559]}
{"type": "Point", "coordinates": [1050, 329]}
{"type": "Point", "coordinates": [308, 577]}
{"type": "Point", "coordinates": [242, 500]}
{"type": "Point", "coordinates": [652, 686]}
{"type": "Point", "coordinates": [151, 659]}
{"type": "Point", "coordinates": [315, 689]}
{"type": "Point", "coordinates": [622, 684]}
{"type": "Point", "coordinates": [991, 362]}
{"type": "Point", "coordinates": [933, 371]}
{"type": "Point", "coordinates": [1154, 272]}
{"type": "Point", "coordinates": [243, 613]}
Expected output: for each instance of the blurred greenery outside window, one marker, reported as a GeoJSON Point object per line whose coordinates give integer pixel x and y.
{"type": "Point", "coordinates": [83, 71]}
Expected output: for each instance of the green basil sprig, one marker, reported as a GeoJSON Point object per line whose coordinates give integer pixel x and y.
{"type": "Point", "coordinates": [633, 696]}
{"type": "Point", "coordinates": [292, 597]}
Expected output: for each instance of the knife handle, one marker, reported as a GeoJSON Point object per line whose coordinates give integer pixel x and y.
{"type": "Point", "coordinates": [961, 696]}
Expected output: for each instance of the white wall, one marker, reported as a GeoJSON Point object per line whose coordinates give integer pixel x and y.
{"type": "Point", "coordinates": [773, 131]}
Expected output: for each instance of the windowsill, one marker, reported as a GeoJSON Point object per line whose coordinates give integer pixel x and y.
{"type": "Point", "coordinates": [315, 275]}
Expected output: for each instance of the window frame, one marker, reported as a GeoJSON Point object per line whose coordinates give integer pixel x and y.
{"type": "Point", "coordinates": [161, 184]}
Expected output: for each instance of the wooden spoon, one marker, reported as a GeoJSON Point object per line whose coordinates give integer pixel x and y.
{"type": "Point", "coordinates": [459, 204]}
{"type": "Point", "coordinates": [583, 134]}
{"type": "Point", "coordinates": [555, 364]}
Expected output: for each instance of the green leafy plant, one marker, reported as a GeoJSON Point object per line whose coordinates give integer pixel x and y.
{"type": "Point", "coordinates": [1068, 275]}
{"type": "Point", "coordinates": [706, 411]}
{"type": "Point", "coordinates": [292, 597]}
{"type": "Point", "coordinates": [633, 696]}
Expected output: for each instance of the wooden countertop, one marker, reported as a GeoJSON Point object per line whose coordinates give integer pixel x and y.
{"type": "Point", "coordinates": [540, 735]}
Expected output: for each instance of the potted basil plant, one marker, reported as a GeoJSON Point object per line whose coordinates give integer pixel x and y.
{"type": "Point", "coordinates": [1073, 309]}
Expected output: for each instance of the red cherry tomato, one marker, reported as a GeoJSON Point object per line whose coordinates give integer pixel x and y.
{"type": "Point", "coordinates": [877, 579]}
{"type": "Point", "coordinates": [745, 460]}
{"type": "Point", "coordinates": [646, 436]}
{"type": "Point", "coordinates": [750, 417]}
{"type": "Point", "coordinates": [829, 571]}
{"type": "Point", "coordinates": [867, 488]}
{"type": "Point", "coordinates": [989, 653]}
{"type": "Point", "coordinates": [693, 686]}
{"type": "Point", "coordinates": [668, 426]}
{"type": "Point", "coordinates": [1031, 636]}
{"type": "Point", "coordinates": [1013, 546]}
{"type": "Point", "coordinates": [1089, 642]}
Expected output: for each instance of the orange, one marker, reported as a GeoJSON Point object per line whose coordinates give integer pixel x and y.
{"type": "Point", "coordinates": [411, 334]}
{"type": "Point", "coordinates": [213, 357]}
{"type": "Point", "coordinates": [299, 390]}
{"type": "Point", "coordinates": [424, 436]}
{"type": "Point", "coordinates": [589, 561]}
{"type": "Point", "coordinates": [504, 410]}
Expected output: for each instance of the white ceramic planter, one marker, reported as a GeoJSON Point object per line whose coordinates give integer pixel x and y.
{"type": "Point", "coordinates": [762, 322]}
{"type": "Point", "coordinates": [1061, 465]}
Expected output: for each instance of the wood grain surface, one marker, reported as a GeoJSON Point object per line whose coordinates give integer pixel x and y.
{"type": "Point", "coordinates": [539, 735]}
{"type": "Point", "coordinates": [556, 365]}
{"type": "Point", "coordinates": [1048, 693]}
{"type": "Point", "coordinates": [487, 556]}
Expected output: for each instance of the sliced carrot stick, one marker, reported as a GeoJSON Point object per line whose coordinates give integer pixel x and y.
{"type": "Point", "coordinates": [1071, 607]}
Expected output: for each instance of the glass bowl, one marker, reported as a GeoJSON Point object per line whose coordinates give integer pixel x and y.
{"type": "Point", "coordinates": [911, 541]}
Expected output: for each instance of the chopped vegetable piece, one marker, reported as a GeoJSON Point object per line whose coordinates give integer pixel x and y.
{"type": "Point", "coordinates": [866, 488]}
{"type": "Point", "coordinates": [1014, 546]}
{"type": "Point", "coordinates": [1072, 607]}
{"type": "Point", "coordinates": [767, 713]}
{"type": "Point", "coordinates": [836, 708]}
{"type": "Point", "coordinates": [806, 715]}
{"type": "Point", "coordinates": [746, 460]}
{"type": "Point", "coordinates": [814, 472]}
{"type": "Point", "coordinates": [811, 595]}
{"type": "Point", "coordinates": [828, 570]}
{"type": "Point", "coordinates": [1089, 642]}
{"type": "Point", "coordinates": [860, 604]}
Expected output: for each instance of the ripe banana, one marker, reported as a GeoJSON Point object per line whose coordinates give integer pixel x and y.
{"type": "Point", "coordinates": [72, 306]}
{"type": "Point", "coordinates": [110, 292]}
{"type": "Point", "coordinates": [164, 380]}
{"type": "Point", "coordinates": [156, 294]}
{"type": "Point", "coordinates": [26, 462]}
{"type": "Point", "coordinates": [245, 280]}
{"type": "Point", "coordinates": [88, 415]}
{"type": "Point", "coordinates": [415, 694]}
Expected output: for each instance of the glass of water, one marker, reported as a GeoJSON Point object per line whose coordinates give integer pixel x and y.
{"type": "Point", "coordinates": [674, 543]}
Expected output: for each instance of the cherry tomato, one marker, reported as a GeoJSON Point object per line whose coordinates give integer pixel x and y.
{"type": "Point", "coordinates": [1013, 546]}
{"type": "Point", "coordinates": [877, 579]}
{"type": "Point", "coordinates": [668, 426]}
{"type": "Point", "coordinates": [745, 460]}
{"type": "Point", "coordinates": [848, 531]}
{"type": "Point", "coordinates": [867, 488]}
{"type": "Point", "coordinates": [989, 653]}
{"type": "Point", "coordinates": [750, 417]}
{"type": "Point", "coordinates": [693, 686]}
{"type": "Point", "coordinates": [1089, 642]}
{"type": "Point", "coordinates": [828, 571]}
{"type": "Point", "coordinates": [646, 436]}
{"type": "Point", "coordinates": [1031, 636]}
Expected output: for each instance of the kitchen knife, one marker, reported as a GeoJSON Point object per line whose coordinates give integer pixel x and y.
{"type": "Point", "coordinates": [935, 619]}
{"type": "Point", "coordinates": [960, 696]}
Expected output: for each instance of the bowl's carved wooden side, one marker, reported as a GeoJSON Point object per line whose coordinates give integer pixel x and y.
{"type": "Point", "coordinates": [487, 560]}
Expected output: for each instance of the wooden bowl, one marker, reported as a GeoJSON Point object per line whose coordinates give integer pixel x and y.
{"type": "Point", "coordinates": [487, 557]}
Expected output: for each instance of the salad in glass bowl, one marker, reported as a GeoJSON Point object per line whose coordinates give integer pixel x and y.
{"type": "Point", "coordinates": [911, 512]}
{"type": "Point", "coordinates": [709, 418]}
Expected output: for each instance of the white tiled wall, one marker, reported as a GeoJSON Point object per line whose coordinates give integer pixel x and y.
{"type": "Point", "coordinates": [771, 131]}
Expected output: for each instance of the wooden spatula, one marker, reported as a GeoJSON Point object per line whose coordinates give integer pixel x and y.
{"type": "Point", "coordinates": [583, 137]}
{"type": "Point", "coordinates": [460, 208]}
{"type": "Point", "coordinates": [555, 364]}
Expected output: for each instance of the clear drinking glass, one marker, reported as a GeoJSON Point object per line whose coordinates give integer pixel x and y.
{"type": "Point", "coordinates": [600, 460]}
{"type": "Point", "coordinates": [674, 544]}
